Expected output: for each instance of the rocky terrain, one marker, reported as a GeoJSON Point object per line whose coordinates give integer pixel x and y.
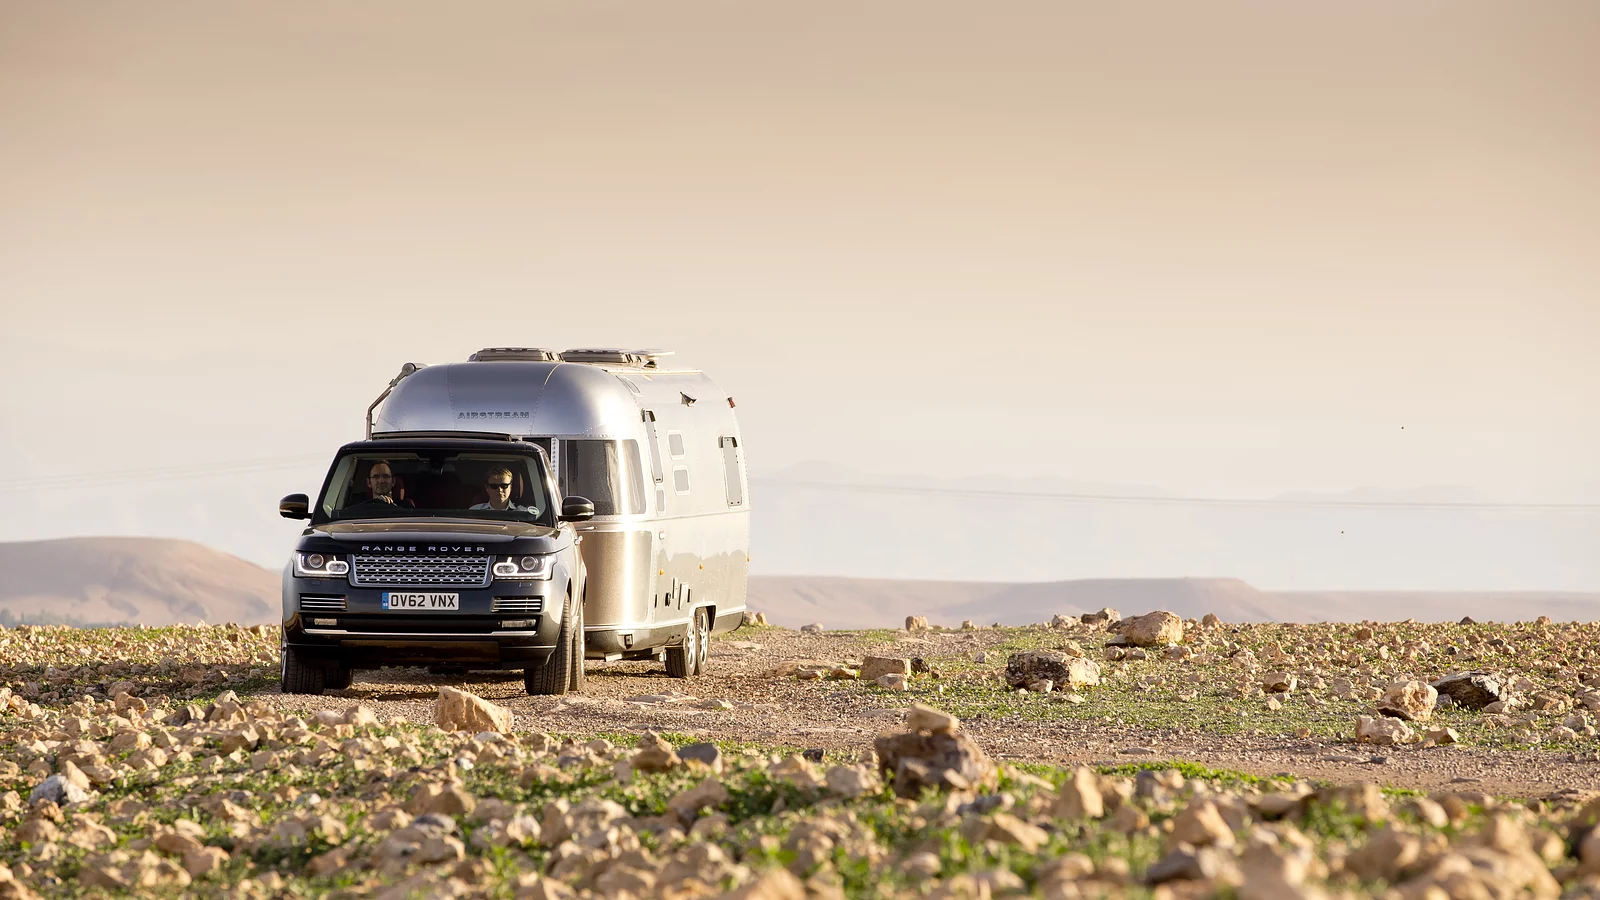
{"type": "Point", "coordinates": [1090, 756]}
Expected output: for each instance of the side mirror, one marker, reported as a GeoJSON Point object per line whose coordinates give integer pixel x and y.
{"type": "Point", "coordinates": [295, 506]}
{"type": "Point", "coordinates": [576, 509]}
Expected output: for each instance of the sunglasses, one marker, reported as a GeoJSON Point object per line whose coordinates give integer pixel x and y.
{"type": "Point", "coordinates": [498, 484]}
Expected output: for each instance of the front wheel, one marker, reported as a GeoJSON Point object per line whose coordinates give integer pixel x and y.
{"type": "Point", "coordinates": [556, 676]}
{"type": "Point", "coordinates": [579, 678]}
{"type": "Point", "coordinates": [301, 677]}
{"type": "Point", "coordinates": [689, 657]}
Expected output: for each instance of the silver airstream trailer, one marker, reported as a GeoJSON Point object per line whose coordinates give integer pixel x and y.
{"type": "Point", "coordinates": [655, 448]}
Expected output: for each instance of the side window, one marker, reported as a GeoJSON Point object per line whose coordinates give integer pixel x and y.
{"type": "Point", "coordinates": [731, 475]}
{"type": "Point", "coordinates": [606, 472]}
{"type": "Point", "coordinates": [675, 444]}
{"type": "Point", "coordinates": [680, 479]}
{"type": "Point", "coordinates": [633, 477]}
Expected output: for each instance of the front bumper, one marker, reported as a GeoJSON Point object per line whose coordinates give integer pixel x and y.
{"type": "Point", "coordinates": [332, 621]}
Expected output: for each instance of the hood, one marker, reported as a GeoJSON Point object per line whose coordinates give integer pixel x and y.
{"type": "Point", "coordinates": [411, 529]}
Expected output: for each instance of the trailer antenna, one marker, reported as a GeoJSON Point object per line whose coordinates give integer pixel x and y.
{"type": "Point", "coordinates": [405, 370]}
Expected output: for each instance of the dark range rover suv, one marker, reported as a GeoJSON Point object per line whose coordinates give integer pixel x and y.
{"type": "Point", "coordinates": [431, 551]}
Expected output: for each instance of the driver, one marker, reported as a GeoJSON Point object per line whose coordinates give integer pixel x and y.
{"type": "Point", "coordinates": [497, 485]}
{"type": "Point", "coordinates": [380, 488]}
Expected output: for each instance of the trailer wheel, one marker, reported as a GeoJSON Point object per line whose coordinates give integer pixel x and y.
{"type": "Point", "coordinates": [578, 679]}
{"type": "Point", "coordinates": [689, 657]}
{"type": "Point", "coordinates": [555, 676]}
{"type": "Point", "coordinates": [301, 677]}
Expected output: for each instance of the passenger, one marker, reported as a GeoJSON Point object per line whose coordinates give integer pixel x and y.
{"type": "Point", "coordinates": [380, 488]}
{"type": "Point", "coordinates": [497, 484]}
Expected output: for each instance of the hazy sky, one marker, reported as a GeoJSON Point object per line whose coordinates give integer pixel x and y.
{"type": "Point", "coordinates": [1225, 248]}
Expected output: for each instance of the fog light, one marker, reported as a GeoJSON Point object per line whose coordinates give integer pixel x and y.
{"type": "Point", "coordinates": [517, 623]}
{"type": "Point", "coordinates": [327, 623]}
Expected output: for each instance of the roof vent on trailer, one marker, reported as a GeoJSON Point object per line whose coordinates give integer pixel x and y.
{"type": "Point", "coordinates": [523, 354]}
{"type": "Point", "coordinates": [605, 356]}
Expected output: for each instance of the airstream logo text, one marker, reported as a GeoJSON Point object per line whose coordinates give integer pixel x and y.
{"type": "Point", "coordinates": [493, 414]}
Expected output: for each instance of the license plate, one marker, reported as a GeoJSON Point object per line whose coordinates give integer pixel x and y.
{"type": "Point", "coordinates": [398, 600]}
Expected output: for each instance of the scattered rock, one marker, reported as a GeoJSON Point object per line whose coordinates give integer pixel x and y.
{"type": "Point", "coordinates": [59, 790]}
{"type": "Point", "coordinates": [1156, 629]}
{"type": "Point", "coordinates": [1409, 700]}
{"type": "Point", "coordinates": [1062, 670]}
{"type": "Point", "coordinates": [457, 710]}
{"type": "Point", "coordinates": [873, 667]}
{"type": "Point", "coordinates": [933, 754]}
{"type": "Point", "coordinates": [1383, 730]}
{"type": "Point", "coordinates": [1278, 682]}
{"type": "Point", "coordinates": [1472, 690]}
{"type": "Point", "coordinates": [916, 623]}
{"type": "Point", "coordinates": [1106, 616]}
{"type": "Point", "coordinates": [813, 628]}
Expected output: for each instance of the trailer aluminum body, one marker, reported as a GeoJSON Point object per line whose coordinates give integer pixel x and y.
{"type": "Point", "coordinates": [658, 451]}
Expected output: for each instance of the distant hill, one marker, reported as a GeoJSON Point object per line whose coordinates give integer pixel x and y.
{"type": "Point", "coordinates": [883, 603]}
{"type": "Point", "coordinates": [115, 580]}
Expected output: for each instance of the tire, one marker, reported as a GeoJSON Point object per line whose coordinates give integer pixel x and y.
{"type": "Point", "coordinates": [555, 676]}
{"type": "Point", "coordinates": [705, 640]}
{"type": "Point", "coordinates": [338, 677]}
{"type": "Point", "coordinates": [301, 677]}
{"type": "Point", "coordinates": [689, 657]}
{"type": "Point", "coordinates": [578, 679]}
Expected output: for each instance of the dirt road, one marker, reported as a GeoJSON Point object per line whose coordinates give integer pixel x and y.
{"type": "Point", "coordinates": [1114, 723]}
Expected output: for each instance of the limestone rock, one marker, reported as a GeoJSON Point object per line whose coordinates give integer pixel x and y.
{"type": "Point", "coordinates": [58, 790]}
{"type": "Point", "coordinates": [457, 710]}
{"type": "Point", "coordinates": [1382, 730]}
{"type": "Point", "coordinates": [1409, 700]}
{"type": "Point", "coordinates": [874, 667]}
{"type": "Point", "coordinates": [851, 782]}
{"type": "Point", "coordinates": [1156, 629]}
{"type": "Point", "coordinates": [813, 628]}
{"type": "Point", "coordinates": [1061, 669]}
{"type": "Point", "coordinates": [916, 623]}
{"type": "Point", "coordinates": [1200, 825]}
{"type": "Point", "coordinates": [929, 720]}
{"type": "Point", "coordinates": [1080, 796]}
{"type": "Point", "coordinates": [1472, 690]}
{"type": "Point", "coordinates": [1278, 682]}
{"type": "Point", "coordinates": [939, 757]}
{"type": "Point", "coordinates": [1106, 616]}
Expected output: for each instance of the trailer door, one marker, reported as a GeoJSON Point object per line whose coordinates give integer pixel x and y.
{"type": "Point", "coordinates": [657, 475]}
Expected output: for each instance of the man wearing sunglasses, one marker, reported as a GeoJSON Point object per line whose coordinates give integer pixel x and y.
{"type": "Point", "coordinates": [497, 485]}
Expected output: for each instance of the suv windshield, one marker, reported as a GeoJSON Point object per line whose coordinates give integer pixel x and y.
{"type": "Point", "coordinates": [420, 482]}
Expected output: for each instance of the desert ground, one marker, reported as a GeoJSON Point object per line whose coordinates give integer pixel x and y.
{"type": "Point", "coordinates": [1148, 756]}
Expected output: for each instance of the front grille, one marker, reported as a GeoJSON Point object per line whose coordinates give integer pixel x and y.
{"type": "Point", "coordinates": [419, 571]}
{"type": "Point", "coordinates": [518, 604]}
{"type": "Point", "coordinates": [321, 603]}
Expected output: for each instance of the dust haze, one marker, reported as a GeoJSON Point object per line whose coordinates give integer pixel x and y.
{"type": "Point", "coordinates": [1233, 251]}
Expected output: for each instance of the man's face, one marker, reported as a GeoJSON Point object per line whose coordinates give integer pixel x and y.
{"type": "Point", "coordinates": [380, 481]}
{"type": "Point", "coordinates": [498, 486]}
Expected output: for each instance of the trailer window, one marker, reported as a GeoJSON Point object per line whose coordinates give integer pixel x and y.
{"type": "Point", "coordinates": [675, 444]}
{"type": "Point", "coordinates": [607, 472]}
{"type": "Point", "coordinates": [730, 470]}
{"type": "Point", "coordinates": [680, 480]}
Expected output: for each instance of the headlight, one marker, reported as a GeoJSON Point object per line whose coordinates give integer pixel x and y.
{"type": "Point", "coordinates": [539, 567]}
{"type": "Point", "coordinates": [320, 565]}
